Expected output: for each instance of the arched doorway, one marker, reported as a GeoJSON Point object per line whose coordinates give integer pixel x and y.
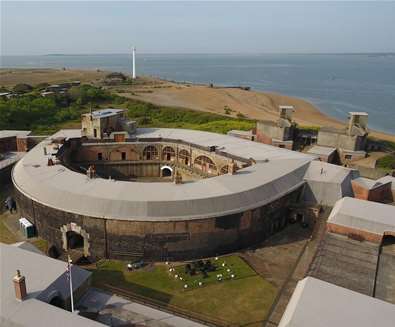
{"type": "Point", "coordinates": [184, 157]}
{"type": "Point", "coordinates": [74, 237]}
{"type": "Point", "coordinates": [56, 300]}
{"type": "Point", "coordinates": [150, 153]}
{"type": "Point", "coordinates": [205, 164]}
{"type": "Point", "coordinates": [168, 153]}
{"type": "Point", "coordinates": [166, 171]}
{"type": "Point", "coordinates": [74, 240]}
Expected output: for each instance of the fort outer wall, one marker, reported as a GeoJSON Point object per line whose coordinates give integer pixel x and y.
{"type": "Point", "coordinates": [160, 241]}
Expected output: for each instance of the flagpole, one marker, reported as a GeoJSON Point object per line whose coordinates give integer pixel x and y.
{"type": "Point", "coordinates": [70, 282]}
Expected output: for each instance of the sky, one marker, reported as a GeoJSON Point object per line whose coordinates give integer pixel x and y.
{"type": "Point", "coordinates": [34, 28]}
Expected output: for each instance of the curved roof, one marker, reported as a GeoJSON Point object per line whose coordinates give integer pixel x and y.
{"type": "Point", "coordinates": [267, 180]}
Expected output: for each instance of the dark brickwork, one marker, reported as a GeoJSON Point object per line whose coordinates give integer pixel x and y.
{"type": "Point", "coordinates": [171, 240]}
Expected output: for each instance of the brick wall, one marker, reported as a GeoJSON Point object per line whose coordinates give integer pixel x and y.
{"type": "Point", "coordinates": [353, 233]}
{"type": "Point", "coordinates": [161, 240]}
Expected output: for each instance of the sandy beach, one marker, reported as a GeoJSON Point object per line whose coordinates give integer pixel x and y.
{"type": "Point", "coordinates": [250, 103]}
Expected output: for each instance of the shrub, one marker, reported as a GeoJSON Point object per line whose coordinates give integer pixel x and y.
{"type": "Point", "coordinates": [22, 88]}
{"type": "Point", "coordinates": [386, 162]}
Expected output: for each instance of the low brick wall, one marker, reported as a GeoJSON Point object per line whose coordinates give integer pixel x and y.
{"type": "Point", "coordinates": [353, 233]}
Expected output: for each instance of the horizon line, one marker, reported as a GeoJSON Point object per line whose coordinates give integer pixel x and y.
{"type": "Point", "coordinates": [206, 53]}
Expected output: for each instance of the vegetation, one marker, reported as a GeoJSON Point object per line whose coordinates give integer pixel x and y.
{"type": "Point", "coordinates": [245, 299]}
{"type": "Point", "coordinates": [6, 236]}
{"type": "Point", "coordinates": [41, 244]}
{"type": "Point", "coordinates": [386, 162]}
{"type": "Point", "coordinates": [22, 88]}
{"type": "Point", "coordinates": [151, 115]}
{"type": "Point", "coordinates": [44, 115]}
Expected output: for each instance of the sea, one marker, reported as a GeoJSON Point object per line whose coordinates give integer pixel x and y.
{"type": "Point", "coordinates": [335, 83]}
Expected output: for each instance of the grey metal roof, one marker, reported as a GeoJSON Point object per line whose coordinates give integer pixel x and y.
{"type": "Point", "coordinates": [316, 303]}
{"type": "Point", "coordinates": [102, 113]}
{"type": "Point", "coordinates": [327, 183]}
{"type": "Point", "coordinates": [254, 186]}
{"type": "Point", "coordinates": [10, 158]}
{"type": "Point", "coordinates": [388, 179]}
{"type": "Point", "coordinates": [368, 183]}
{"type": "Point", "coordinates": [368, 216]}
{"type": "Point", "coordinates": [10, 133]}
{"type": "Point", "coordinates": [321, 150]}
{"type": "Point", "coordinates": [43, 275]}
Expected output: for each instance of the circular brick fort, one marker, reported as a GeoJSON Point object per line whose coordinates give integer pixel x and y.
{"type": "Point", "coordinates": [153, 193]}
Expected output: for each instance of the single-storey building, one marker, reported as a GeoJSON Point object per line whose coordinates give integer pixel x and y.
{"type": "Point", "coordinates": [361, 219]}
{"type": "Point", "coordinates": [35, 289]}
{"type": "Point", "coordinates": [369, 189]}
{"type": "Point", "coordinates": [316, 303]}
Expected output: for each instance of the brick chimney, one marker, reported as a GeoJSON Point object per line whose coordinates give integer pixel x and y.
{"type": "Point", "coordinates": [20, 286]}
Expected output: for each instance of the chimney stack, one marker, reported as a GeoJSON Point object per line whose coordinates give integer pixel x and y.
{"type": "Point", "coordinates": [20, 286]}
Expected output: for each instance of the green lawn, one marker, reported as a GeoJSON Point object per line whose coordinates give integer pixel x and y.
{"type": "Point", "coordinates": [242, 300]}
{"type": "Point", "coordinates": [6, 236]}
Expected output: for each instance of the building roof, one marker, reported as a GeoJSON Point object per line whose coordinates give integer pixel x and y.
{"type": "Point", "coordinates": [368, 216]}
{"type": "Point", "coordinates": [11, 133]}
{"type": "Point", "coordinates": [9, 158]}
{"type": "Point", "coordinates": [387, 179]}
{"type": "Point", "coordinates": [358, 113]}
{"type": "Point", "coordinates": [369, 184]}
{"type": "Point", "coordinates": [327, 183]}
{"type": "Point", "coordinates": [103, 113]}
{"type": "Point", "coordinates": [240, 132]}
{"type": "Point", "coordinates": [321, 150]}
{"type": "Point", "coordinates": [276, 173]}
{"type": "Point", "coordinates": [43, 275]}
{"type": "Point", "coordinates": [316, 303]}
{"type": "Point", "coordinates": [286, 107]}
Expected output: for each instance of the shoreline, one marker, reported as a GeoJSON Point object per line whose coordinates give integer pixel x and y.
{"type": "Point", "coordinates": [253, 104]}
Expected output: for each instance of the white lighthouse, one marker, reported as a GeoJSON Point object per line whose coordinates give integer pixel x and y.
{"type": "Point", "coordinates": [134, 63]}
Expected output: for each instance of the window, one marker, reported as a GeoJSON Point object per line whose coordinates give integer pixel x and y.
{"type": "Point", "coordinates": [123, 155]}
{"type": "Point", "coordinates": [168, 153]}
{"type": "Point", "coordinates": [184, 157]}
{"type": "Point", "coordinates": [100, 156]}
{"type": "Point", "coordinates": [205, 164]}
{"type": "Point", "coordinates": [348, 156]}
{"type": "Point", "coordinates": [150, 153]}
{"type": "Point", "coordinates": [224, 170]}
{"type": "Point", "coordinates": [95, 132]}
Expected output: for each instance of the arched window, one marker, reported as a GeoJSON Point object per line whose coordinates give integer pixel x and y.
{"type": "Point", "coordinates": [184, 157]}
{"type": "Point", "coordinates": [150, 153]}
{"type": "Point", "coordinates": [168, 153]}
{"type": "Point", "coordinates": [205, 164]}
{"type": "Point", "coordinates": [224, 170]}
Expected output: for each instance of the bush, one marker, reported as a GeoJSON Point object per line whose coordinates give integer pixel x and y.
{"type": "Point", "coordinates": [386, 162]}
{"type": "Point", "coordinates": [22, 88]}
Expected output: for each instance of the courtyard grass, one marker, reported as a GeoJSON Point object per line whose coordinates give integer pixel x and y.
{"type": "Point", "coordinates": [6, 236]}
{"type": "Point", "coordinates": [244, 299]}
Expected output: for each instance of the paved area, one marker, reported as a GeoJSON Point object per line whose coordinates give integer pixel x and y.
{"type": "Point", "coordinates": [385, 281]}
{"type": "Point", "coordinates": [114, 311]}
{"type": "Point", "coordinates": [297, 269]}
{"type": "Point", "coordinates": [346, 263]}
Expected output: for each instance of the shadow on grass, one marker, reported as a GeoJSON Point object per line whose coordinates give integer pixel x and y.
{"type": "Point", "coordinates": [115, 280]}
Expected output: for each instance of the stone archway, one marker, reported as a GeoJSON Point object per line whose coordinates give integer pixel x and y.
{"type": "Point", "coordinates": [73, 227]}
{"type": "Point", "coordinates": [166, 171]}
